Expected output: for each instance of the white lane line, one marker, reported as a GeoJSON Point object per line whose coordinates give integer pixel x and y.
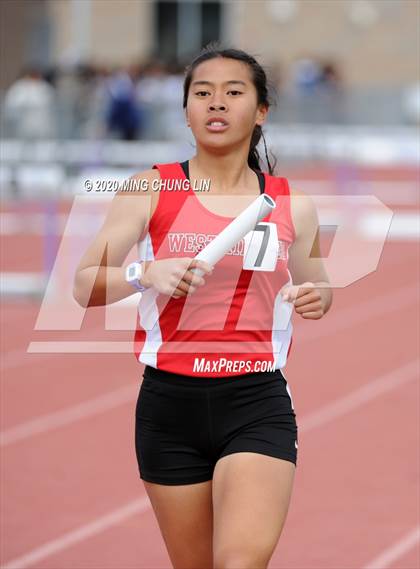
{"type": "Point", "coordinates": [80, 534]}
{"type": "Point", "coordinates": [81, 347]}
{"type": "Point", "coordinates": [362, 395]}
{"type": "Point", "coordinates": [19, 358]}
{"type": "Point", "coordinates": [367, 310]}
{"type": "Point", "coordinates": [393, 192]}
{"type": "Point", "coordinates": [396, 551]}
{"type": "Point", "coordinates": [326, 414]}
{"type": "Point", "coordinates": [69, 415]}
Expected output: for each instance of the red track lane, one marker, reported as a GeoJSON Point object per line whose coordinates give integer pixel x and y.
{"type": "Point", "coordinates": [355, 486]}
{"type": "Point", "coordinates": [78, 474]}
{"type": "Point", "coordinates": [362, 470]}
{"type": "Point", "coordinates": [357, 477]}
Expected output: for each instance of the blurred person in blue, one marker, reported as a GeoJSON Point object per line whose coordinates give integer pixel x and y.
{"type": "Point", "coordinates": [318, 90]}
{"type": "Point", "coordinates": [305, 80]}
{"type": "Point", "coordinates": [306, 75]}
{"type": "Point", "coordinates": [123, 114]}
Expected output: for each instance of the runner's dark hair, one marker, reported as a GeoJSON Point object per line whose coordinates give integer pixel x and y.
{"type": "Point", "coordinates": [259, 77]}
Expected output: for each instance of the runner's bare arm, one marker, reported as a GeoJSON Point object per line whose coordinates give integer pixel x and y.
{"type": "Point", "coordinates": [100, 276]}
{"type": "Point", "coordinates": [305, 257]}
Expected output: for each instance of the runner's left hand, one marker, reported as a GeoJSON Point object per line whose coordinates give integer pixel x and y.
{"type": "Point", "coordinates": [307, 300]}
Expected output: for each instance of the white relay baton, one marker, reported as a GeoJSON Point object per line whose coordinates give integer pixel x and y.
{"type": "Point", "coordinates": [235, 231]}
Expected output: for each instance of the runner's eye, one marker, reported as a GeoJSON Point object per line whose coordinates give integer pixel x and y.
{"type": "Point", "coordinates": [234, 92]}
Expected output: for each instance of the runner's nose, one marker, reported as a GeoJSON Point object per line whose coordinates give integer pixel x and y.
{"type": "Point", "coordinates": [213, 107]}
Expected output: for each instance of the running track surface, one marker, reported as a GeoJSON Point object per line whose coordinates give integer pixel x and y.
{"type": "Point", "coordinates": [71, 495]}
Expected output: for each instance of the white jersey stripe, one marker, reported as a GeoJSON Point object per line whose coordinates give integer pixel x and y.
{"type": "Point", "coordinates": [148, 312]}
{"type": "Point", "coordinates": [282, 329]}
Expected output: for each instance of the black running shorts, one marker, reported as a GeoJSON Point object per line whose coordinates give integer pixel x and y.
{"type": "Point", "coordinates": [185, 424]}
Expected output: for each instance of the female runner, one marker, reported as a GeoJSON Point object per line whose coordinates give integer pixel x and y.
{"type": "Point", "coordinates": [216, 435]}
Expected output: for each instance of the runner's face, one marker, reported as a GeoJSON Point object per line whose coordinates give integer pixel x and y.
{"type": "Point", "coordinates": [223, 88]}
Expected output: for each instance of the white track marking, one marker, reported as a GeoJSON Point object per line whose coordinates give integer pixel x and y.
{"type": "Point", "coordinates": [392, 192]}
{"type": "Point", "coordinates": [81, 347]}
{"type": "Point", "coordinates": [80, 534]}
{"type": "Point", "coordinates": [396, 551]}
{"type": "Point", "coordinates": [380, 385]}
{"type": "Point", "coordinates": [326, 414]}
{"type": "Point", "coordinates": [69, 415]}
{"type": "Point", "coordinates": [15, 358]}
{"type": "Point", "coordinates": [364, 311]}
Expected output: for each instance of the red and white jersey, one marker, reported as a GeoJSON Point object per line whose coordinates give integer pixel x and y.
{"type": "Point", "coordinates": [238, 315]}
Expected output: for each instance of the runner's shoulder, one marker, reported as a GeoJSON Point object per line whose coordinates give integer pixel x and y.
{"type": "Point", "coordinates": [135, 199]}
{"type": "Point", "coordinates": [139, 183]}
{"type": "Point", "coordinates": [296, 192]}
{"type": "Point", "coordinates": [303, 210]}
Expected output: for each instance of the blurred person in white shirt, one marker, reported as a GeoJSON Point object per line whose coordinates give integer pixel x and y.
{"type": "Point", "coordinates": [29, 107]}
{"type": "Point", "coordinates": [150, 90]}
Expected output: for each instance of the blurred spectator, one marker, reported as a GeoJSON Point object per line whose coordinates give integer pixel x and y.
{"type": "Point", "coordinates": [87, 101]}
{"type": "Point", "coordinates": [150, 82]}
{"type": "Point", "coordinates": [160, 89]}
{"type": "Point", "coordinates": [29, 106]}
{"type": "Point", "coordinates": [150, 93]}
{"type": "Point", "coordinates": [332, 93]}
{"type": "Point", "coordinates": [317, 91]}
{"type": "Point", "coordinates": [330, 77]}
{"type": "Point", "coordinates": [95, 126]}
{"type": "Point", "coordinates": [306, 75]}
{"type": "Point", "coordinates": [411, 103]}
{"type": "Point", "coordinates": [276, 79]}
{"type": "Point", "coordinates": [124, 116]}
{"type": "Point", "coordinates": [174, 117]}
{"type": "Point", "coordinates": [76, 99]}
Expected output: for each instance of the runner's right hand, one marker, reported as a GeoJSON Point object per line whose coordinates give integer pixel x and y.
{"type": "Point", "coordinates": [174, 277]}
